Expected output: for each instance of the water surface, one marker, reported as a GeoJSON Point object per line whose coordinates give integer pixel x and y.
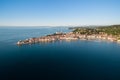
{"type": "Point", "coordinates": [76, 60]}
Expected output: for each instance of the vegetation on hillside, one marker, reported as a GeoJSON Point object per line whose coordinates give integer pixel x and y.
{"type": "Point", "coordinates": [109, 30]}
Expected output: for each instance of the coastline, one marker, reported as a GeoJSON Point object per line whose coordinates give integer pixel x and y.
{"type": "Point", "coordinates": [58, 36]}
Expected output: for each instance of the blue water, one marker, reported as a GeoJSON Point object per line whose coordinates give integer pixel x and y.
{"type": "Point", "coordinates": [76, 60]}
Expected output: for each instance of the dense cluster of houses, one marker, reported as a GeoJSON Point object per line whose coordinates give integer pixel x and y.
{"type": "Point", "coordinates": [68, 36]}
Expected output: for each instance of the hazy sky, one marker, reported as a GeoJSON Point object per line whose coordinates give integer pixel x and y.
{"type": "Point", "coordinates": [59, 12]}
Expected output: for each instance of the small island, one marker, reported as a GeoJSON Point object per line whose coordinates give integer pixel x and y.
{"type": "Point", "coordinates": [107, 33]}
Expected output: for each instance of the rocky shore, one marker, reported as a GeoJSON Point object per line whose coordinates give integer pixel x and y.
{"type": "Point", "coordinates": [67, 37]}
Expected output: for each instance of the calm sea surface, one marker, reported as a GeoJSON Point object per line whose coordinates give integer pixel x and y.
{"type": "Point", "coordinates": [76, 60]}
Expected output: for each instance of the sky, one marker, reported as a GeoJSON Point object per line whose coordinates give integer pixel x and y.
{"type": "Point", "coordinates": [59, 12]}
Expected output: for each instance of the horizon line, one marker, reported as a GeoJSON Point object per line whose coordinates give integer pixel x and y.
{"type": "Point", "coordinates": [53, 25]}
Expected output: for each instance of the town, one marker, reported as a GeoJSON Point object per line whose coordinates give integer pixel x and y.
{"type": "Point", "coordinates": [109, 33]}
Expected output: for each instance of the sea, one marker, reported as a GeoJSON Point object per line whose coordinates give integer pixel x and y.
{"type": "Point", "coordinates": [61, 60]}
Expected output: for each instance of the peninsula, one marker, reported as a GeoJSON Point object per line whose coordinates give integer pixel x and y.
{"type": "Point", "coordinates": [108, 33]}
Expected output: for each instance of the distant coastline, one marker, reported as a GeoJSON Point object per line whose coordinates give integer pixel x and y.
{"type": "Point", "coordinates": [107, 33]}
